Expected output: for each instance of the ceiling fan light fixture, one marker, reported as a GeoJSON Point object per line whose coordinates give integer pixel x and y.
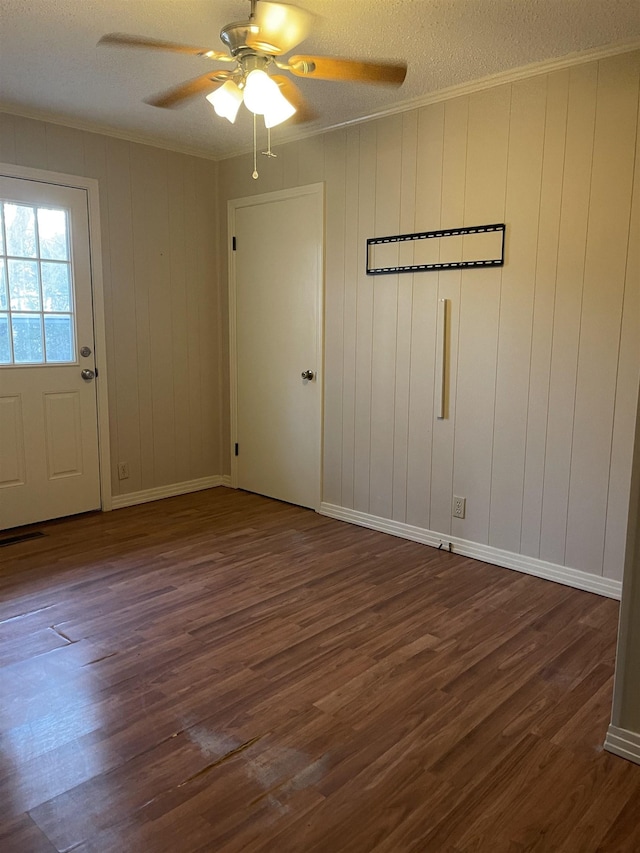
{"type": "Point", "coordinates": [226, 100]}
{"type": "Point", "coordinates": [280, 109]}
{"type": "Point", "coordinates": [260, 91]}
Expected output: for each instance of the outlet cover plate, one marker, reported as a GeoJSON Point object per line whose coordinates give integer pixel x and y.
{"type": "Point", "coordinates": [459, 507]}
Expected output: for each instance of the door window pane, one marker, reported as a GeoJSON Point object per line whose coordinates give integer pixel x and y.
{"type": "Point", "coordinates": [52, 232]}
{"type": "Point", "coordinates": [20, 227]}
{"type": "Point", "coordinates": [4, 299]}
{"type": "Point", "coordinates": [23, 285]}
{"type": "Point", "coordinates": [58, 336]}
{"type": "Point", "coordinates": [56, 287]}
{"type": "Point", "coordinates": [5, 344]}
{"type": "Point", "coordinates": [27, 338]}
{"type": "Point", "coordinates": [36, 285]}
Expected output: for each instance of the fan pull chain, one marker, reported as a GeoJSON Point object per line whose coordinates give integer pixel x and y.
{"type": "Point", "coordinates": [255, 150]}
{"type": "Point", "coordinates": [268, 152]}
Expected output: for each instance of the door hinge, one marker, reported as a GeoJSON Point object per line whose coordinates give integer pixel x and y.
{"type": "Point", "coordinates": [234, 243]}
{"type": "Point", "coordinates": [236, 449]}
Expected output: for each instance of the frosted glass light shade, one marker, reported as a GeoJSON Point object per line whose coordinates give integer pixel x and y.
{"type": "Point", "coordinates": [226, 100]}
{"type": "Point", "coordinates": [259, 91]}
{"type": "Point", "coordinates": [279, 110]}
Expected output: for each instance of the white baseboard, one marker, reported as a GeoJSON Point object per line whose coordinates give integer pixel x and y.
{"type": "Point", "coordinates": [509, 560]}
{"type": "Point", "coordinates": [624, 743]}
{"type": "Point", "coordinates": [146, 495]}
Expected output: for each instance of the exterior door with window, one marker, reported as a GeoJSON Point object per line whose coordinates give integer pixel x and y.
{"type": "Point", "coordinates": [49, 464]}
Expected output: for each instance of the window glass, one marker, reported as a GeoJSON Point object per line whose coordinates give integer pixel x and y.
{"type": "Point", "coordinates": [58, 336]}
{"type": "Point", "coordinates": [37, 323]}
{"type": "Point", "coordinates": [23, 285]}
{"type": "Point", "coordinates": [27, 338]}
{"type": "Point", "coordinates": [4, 299]}
{"type": "Point", "coordinates": [52, 233]}
{"type": "Point", "coordinates": [20, 227]}
{"type": "Point", "coordinates": [5, 343]}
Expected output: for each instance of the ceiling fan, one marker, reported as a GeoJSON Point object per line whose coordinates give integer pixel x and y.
{"type": "Point", "coordinates": [255, 47]}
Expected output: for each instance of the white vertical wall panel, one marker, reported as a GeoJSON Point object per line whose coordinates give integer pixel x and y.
{"type": "Point", "coordinates": [601, 316]}
{"type": "Point", "coordinates": [524, 168]}
{"type": "Point", "coordinates": [574, 218]}
{"type": "Point", "coordinates": [454, 171]}
{"type": "Point", "coordinates": [352, 263]}
{"type": "Point", "coordinates": [628, 380]}
{"type": "Point", "coordinates": [486, 175]}
{"type": "Point", "coordinates": [364, 321]}
{"type": "Point", "coordinates": [159, 223]}
{"type": "Point", "coordinates": [555, 125]}
{"type": "Point", "coordinates": [334, 313]}
{"type": "Point", "coordinates": [403, 318]}
{"type": "Point", "coordinates": [531, 346]}
{"type": "Point", "coordinates": [422, 329]}
{"type": "Point", "coordinates": [385, 313]}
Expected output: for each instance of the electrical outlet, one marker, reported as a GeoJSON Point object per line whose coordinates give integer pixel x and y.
{"type": "Point", "coordinates": [459, 507]}
{"type": "Point", "coordinates": [123, 470]}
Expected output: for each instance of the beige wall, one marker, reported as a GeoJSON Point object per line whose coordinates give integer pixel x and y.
{"type": "Point", "coordinates": [159, 248]}
{"type": "Point", "coordinates": [544, 353]}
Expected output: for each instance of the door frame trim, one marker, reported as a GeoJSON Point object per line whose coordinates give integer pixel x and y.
{"type": "Point", "coordinates": [91, 188]}
{"type": "Point", "coordinates": [234, 204]}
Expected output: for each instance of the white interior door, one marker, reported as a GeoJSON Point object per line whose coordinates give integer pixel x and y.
{"type": "Point", "coordinates": [49, 464]}
{"type": "Point", "coordinates": [276, 325]}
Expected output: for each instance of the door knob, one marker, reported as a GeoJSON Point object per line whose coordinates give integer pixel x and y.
{"type": "Point", "coordinates": [307, 374]}
{"type": "Point", "coordinates": [87, 374]}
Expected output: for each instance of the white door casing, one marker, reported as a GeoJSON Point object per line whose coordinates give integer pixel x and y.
{"type": "Point", "coordinates": [276, 309]}
{"type": "Point", "coordinates": [53, 430]}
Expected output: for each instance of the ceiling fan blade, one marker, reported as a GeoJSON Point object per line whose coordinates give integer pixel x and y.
{"type": "Point", "coordinates": [176, 96]}
{"type": "Point", "coordinates": [295, 97]}
{"type": "Point", "coordinates": [124, 40]}
{"type": "Point", "coordinates": [279, 27]}
{"type": "Point", "coordinates": [332, 68]}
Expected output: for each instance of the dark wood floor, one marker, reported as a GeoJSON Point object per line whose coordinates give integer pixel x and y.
{"type": "Point", "coordinates": [221, 672]}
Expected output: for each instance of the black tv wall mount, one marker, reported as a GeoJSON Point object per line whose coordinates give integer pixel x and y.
{"type": "Point", "coordinates": [441, 265]}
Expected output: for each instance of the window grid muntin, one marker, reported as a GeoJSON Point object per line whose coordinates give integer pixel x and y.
{"type": "Point", "coordinates": [39, 260]}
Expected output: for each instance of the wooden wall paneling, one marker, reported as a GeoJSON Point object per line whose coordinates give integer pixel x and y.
{"type": "Point", "coordinates": [192, 263]}
{"type": "Point", "coordinates": [385, 312]}
{"type": "Point", "coordinates": [178, 302]}
{"type": "Point", "coordinates": [354, 254]}
{"type": "Point", "coordinates": [332, 370]}
{"type": "Point", "coordinates": [422, 335]}
{"type": "Point", "coordinates": [604, 279]}
{"type": "Point", "coordinates": [627, 387]}
{"type": "Point", "coordinates": [65, 149]}
{"type": "Point", "coordinates": [144, 196]}
{"type": "Point", "coordinates": [545, 287]}
{"type": "Point", "coordinates": [95, 166]}
{"type": "Point", "coordinates": [30, 142]}
{"type": "Point", "coordinates": [158, 287]}
{"type": "Point", "coordinates": [408, 156]}
{"type": "Point", "coordinates": [124, 405]}
{"type": "Point", "coordinates": [454, 164]}
{"type": "Point", "coordinates": [311, 160]}
{"type": "Point", "coordinates": [567, 308]}
{"type": "Point", "coordinates": [364, 321]}
{"type": "Point", "coordinates": [524, 178]}
{"type": "Point", "coordinates": [487, 148]}
{"type": "Point", "coordinates": [7, 139]}
{"type": "Point", "coordinates": [208, 327]}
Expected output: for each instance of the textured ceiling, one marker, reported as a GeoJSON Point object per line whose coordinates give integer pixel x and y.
{"type": "Point", "coordinates": [50, 65]}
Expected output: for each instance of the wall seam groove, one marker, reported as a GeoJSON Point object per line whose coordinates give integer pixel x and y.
{"type": "Point", "coordinates": [533, 310]}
